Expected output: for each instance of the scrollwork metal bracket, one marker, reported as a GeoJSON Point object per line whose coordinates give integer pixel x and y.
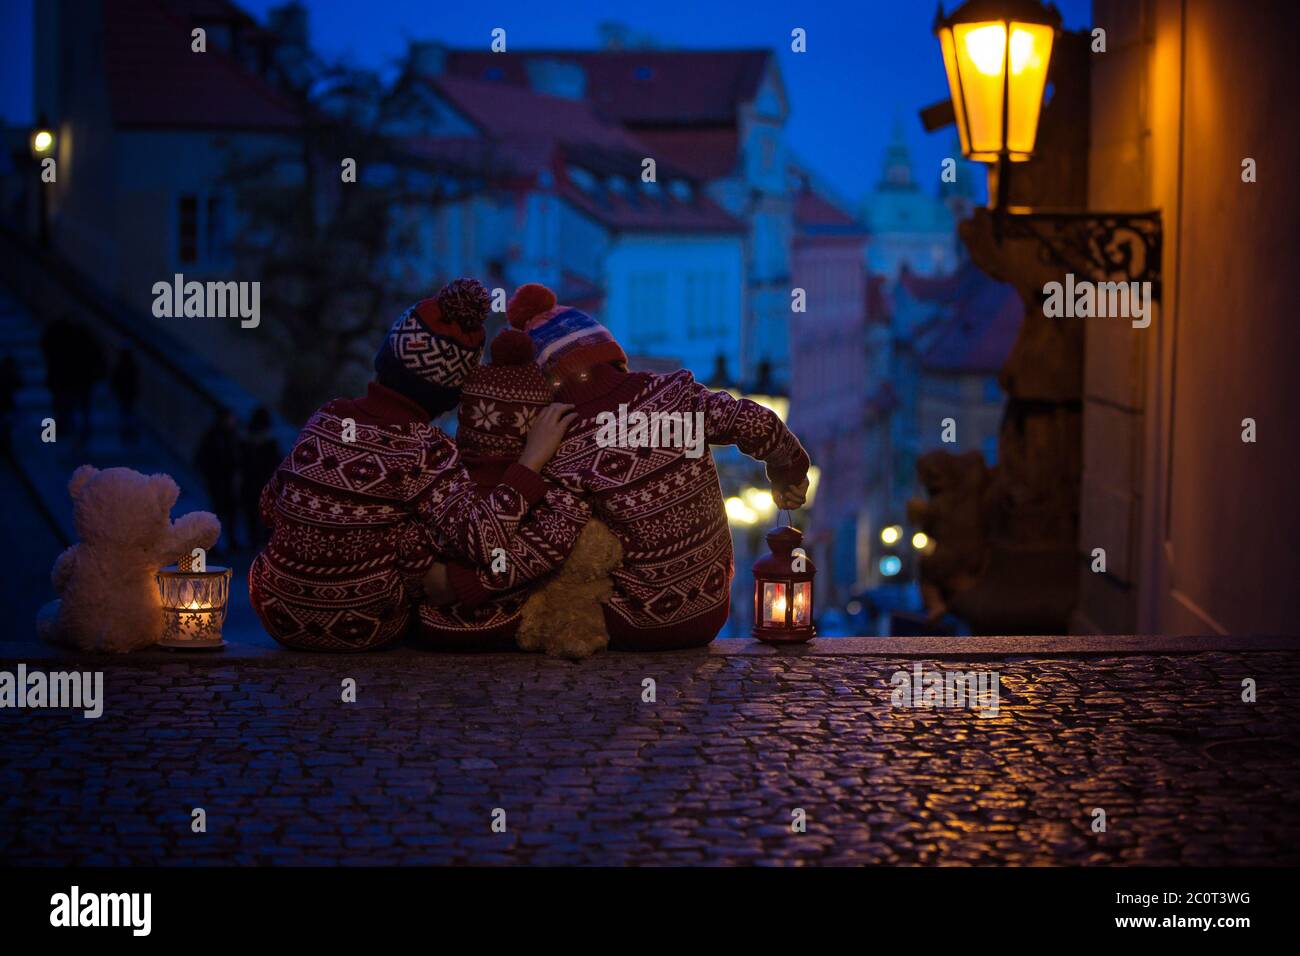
{"type": "Point", "coordinates": [1105, 246]}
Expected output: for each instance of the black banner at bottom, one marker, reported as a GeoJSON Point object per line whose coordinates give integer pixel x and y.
{"type": "Point", "coordinates": [329, 905]}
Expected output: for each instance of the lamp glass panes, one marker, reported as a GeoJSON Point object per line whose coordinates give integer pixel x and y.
{"type": "Point", "coordinates": [996, 55]}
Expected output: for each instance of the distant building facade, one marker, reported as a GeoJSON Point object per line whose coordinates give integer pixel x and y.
{"type": "Point", "coordinates": [910, 226]}
{"type": "Point", "coordinates": [141, 158]}
{"type": "Point", "coordinates": [718, 118]}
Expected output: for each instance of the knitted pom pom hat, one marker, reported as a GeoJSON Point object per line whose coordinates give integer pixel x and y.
{"type": "Point", "coordinates": [434, 344]}
{"type": "Point", "coordinates": [567, 340]}
{"type": "Point", "coordinates": [500, 401]}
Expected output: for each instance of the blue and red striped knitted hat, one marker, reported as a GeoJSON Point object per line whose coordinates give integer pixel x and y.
{"type": "Point", "coordinates": [566, 340]}
{"type": "Point", "coordinates": [434, 344]}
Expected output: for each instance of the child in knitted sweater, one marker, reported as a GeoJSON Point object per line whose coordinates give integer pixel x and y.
{"type": "Point", "coordinates": [372, 493]}
{"type": "Point", "coordinates": [559, 548]}
{"type": "Point", "coordinates": [637, 455]}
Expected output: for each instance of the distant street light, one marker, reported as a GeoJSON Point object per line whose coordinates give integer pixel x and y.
{"type": "Point", "coordinates": [759, 502]}
{"type": "Point", "coordinates": [739, 513]}
{"type": "Point", "coordinates": [42, 143]}
{"type": "Point", "coordinates": [891, 534]}
{"type": "Point", "coordinates": [920, 540]}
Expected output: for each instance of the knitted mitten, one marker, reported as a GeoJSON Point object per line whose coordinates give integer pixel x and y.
{"type": "Point", "coordinates": [564, 616]}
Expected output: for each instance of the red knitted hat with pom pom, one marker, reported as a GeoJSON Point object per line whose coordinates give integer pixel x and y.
{"type": "Point", "coordinates": [499, 401]}
{"type": "Point", "coordinates": [567, 340]}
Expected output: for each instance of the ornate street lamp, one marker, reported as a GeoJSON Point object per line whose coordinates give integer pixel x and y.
{"type": "Point", "coordinates": [997, 55]}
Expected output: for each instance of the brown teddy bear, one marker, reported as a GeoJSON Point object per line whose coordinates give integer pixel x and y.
{"type": "Point", "coordinates": [563, 617]}
{"type": "Point", "coordinates": [109, 595]}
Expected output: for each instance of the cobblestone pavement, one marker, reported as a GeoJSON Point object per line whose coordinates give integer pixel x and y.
{"type": "Point", "coordinates": [587, 772]}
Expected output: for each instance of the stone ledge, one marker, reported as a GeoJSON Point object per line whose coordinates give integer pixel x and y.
{"type": "Point", "coordinates": [965, 648]}
{"type": "Point", "coordinates": [1065, 645]}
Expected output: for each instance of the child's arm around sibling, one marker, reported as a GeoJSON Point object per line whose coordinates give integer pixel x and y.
{"type": "Point", "coordinates": [472, 524]}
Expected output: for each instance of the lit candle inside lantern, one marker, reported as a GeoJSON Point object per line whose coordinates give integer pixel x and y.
{"type": "Point", "coordinates": [800, 603]}
{"type": "Point", "coordinates": [194, 606]}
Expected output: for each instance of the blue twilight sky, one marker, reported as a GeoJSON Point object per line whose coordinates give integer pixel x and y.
{"type": "Point", "coordinates": [868, 61]}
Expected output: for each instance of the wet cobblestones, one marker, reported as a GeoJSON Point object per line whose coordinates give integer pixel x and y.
{"type": "Point", "coordinates": [710, 772]}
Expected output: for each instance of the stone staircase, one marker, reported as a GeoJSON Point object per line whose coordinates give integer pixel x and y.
{"type": "Point", "coordinates": [45, 467]}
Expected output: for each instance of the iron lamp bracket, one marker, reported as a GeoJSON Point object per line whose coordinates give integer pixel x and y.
{"type": "Point", "coordinates": [1104, 246]}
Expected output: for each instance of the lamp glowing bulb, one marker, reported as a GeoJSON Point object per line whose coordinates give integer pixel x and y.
{"type": "Point", "coordinates": [891, 534]}
{"type": "Point", "coordinates": [920, 540]}
{"type": "Point", "coordinates": [986, 45]}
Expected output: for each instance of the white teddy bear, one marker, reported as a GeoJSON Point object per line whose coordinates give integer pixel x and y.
{"type": "Point", "coordinates": [110, 598]}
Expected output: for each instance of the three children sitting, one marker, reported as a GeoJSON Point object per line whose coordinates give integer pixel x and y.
{"type": "Point", "coordinates": [540, 525]}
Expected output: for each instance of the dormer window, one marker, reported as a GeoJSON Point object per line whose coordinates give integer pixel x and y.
{"type": "Point", "coordinates": [582, 179]}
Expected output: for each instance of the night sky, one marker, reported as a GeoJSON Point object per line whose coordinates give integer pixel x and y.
{"type": "Point", "coordinates": [868, 61]}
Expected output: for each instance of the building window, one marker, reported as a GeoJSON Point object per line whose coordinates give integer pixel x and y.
{"type": "Point", "coordinates": [648, 308]}
{"type": "Point", "coordinates": [704, 309]}
{"type": "Point", "coordinates": [187, 229]}
{"type": "Point", "coordinates": [216, 234]}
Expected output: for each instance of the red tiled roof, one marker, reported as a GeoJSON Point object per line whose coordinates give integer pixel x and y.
{"type": "Point", "coordinates": [707, 152]}
{"type": "Point", "coordinates": [155, 80]}
{"type": "Point", "coordinates": [531, 131]}
{"type": "Point", "coordinates": [639, 87]}
{"type": "Point", "coordinates": [815, 215]}
{"type": "Point", "coordinates": [636, 210]}
{"type": "Point", "coordinates": [501, 111]}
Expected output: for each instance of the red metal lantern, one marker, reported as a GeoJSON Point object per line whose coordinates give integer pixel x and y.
{"type": "Point", "coordinates": [783, 590]}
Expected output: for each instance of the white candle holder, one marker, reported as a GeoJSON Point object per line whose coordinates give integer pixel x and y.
{"type": "Point", "coordinates": [194, 607]}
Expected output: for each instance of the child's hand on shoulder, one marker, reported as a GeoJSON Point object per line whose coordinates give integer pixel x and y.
{"type": "Point", "coordinates": [548, 430]}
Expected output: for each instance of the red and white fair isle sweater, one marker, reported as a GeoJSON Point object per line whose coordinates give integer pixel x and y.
{"type": "Point", "coordinates": [665, 507]}
{"type": "Point", "coordinates": [356, 524]}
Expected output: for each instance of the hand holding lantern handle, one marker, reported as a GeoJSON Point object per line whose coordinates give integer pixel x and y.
{"type": "Point", "coordinates": [790, 497]}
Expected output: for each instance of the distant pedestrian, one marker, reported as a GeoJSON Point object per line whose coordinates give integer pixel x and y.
{"type": "Point", "coordinates": [92, 366]}
{"type": "Point", "coordinates": [218, 462]}
{"type": "Point", "coordinates": [259, 457]}
{"type": "Point", "coordinates": [11, 380]}
{"type": "Point", "coordinates": [58, 346]}
{"type": "Point", "coordinates": [125, 384]}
